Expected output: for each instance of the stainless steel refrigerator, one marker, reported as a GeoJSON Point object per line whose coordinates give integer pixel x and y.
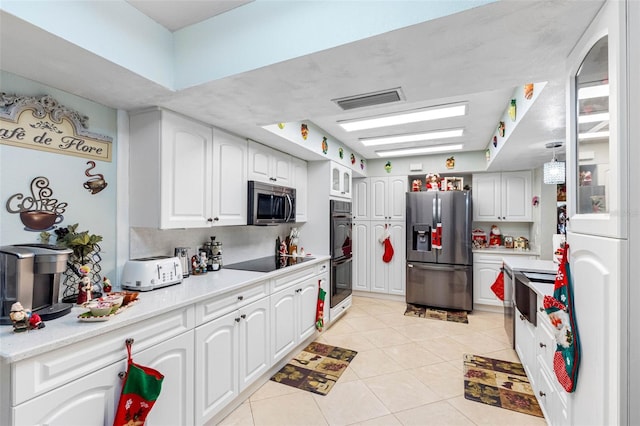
{"type": "Point", "coordinates": [439, 257]}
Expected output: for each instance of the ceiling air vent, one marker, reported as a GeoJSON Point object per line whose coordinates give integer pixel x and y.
{"type": "Point", "coordinates": [370, 99]}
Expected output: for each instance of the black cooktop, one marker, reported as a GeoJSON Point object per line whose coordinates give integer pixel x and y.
{"type": "Point", "coordinates": [267, 264]}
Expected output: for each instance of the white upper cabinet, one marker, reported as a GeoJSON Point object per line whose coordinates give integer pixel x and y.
{"type": "Point", "coordinates": [170, 171]}
{"type": "Point", "coordinates": [183, 177]}
{"type": "Point", "coordinates": [299, 181]}
{"type": "Point", "coordinates": [597, 128]}
{"type": "Point", "coordinates": [269, 165]}
{"type": "Point", "coordinates": [388, 197]}
{"type": "Point", "coordinates": [229, 179]}
{"type": "Point", "coordinates": [502, 196]}
{"type": "Point", "coordinates": [361, 205]}
{"type": "Point", "coordinates": [340, 181]}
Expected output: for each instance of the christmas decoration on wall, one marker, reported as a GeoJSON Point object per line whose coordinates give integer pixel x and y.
{"type": "Point", "coordinates": [487, 155]}
{"type": "Point", "coordinates": [281, 126]}
{"type": "Point", "coordinates": [495, 141]}
{"type": "Point", "coordinates": [361, 164]}
{"type": "Point", "coordinates": [512, 110]}
{"type": "Point", "coordinates": [96, 182]}
{"type": "Point", "coordinates": [387, 166]}
{"type": "Point", "coordinates": [325, 145]}
{"type": "Point", "coordinates": [304, 131]}
{"type": "Point", "coordinates": [341, 153]}
{"type": "Point", "coordinates": [353, 159]}
{"type": "Point", "coordinates": [501, 129]}
{"type": "Point", "coordinates": [451, 162]}
{"type": "Point", "coordinates": [41, 123]}
{"type": "Point", "coordinates": [528, 90]}
{"type": "Point", "coordinates": [38, 212]}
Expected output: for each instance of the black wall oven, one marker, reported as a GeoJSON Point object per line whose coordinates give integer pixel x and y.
{"type": "Point", "coordinates": [341, 253]}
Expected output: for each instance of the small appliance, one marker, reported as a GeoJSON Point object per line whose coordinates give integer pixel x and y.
{"type": "Point", "coordinates": [30, 274]}
{"type": "Point", "coordinates": [182, 253]}
{"type": "Point", "coordinates": [150, 273]}
{"type": "Point", "coordinates": [269, 204]}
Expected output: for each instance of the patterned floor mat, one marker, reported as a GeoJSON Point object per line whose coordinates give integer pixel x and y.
{"type": "Point", "coordinates": [434, 313]}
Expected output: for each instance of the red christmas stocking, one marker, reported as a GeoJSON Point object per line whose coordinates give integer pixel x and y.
{"type": "Point", "coordinates": [320, 308]}
{"type": "Point", "coordinates": [140, 390]}
{"type": "Point", "coordinates": [388, 250]}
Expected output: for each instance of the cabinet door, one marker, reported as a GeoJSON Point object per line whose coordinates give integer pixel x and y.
{"type": "Point", "coordinates": [217, 365]}
{"type": "Point", "coordinates": [281, 166]}
{"type": "Point", "coordinates": [307, 295]}
{"type": "Point", "coordinates": [259, 164]}
{"type": "Point", "coordinates": [283, 328]}
{"type": "Point", "coordinates": [378, 198]}
{"type": "Point", "coordinates": [397, 266]}
{"type": "Point", "coordinates": [185, 178]}
{"type": "Point", "coordinates": [229, 179]}
{"type": "Point", "coordinates": [299, 182]}
{"type": "Point", "coordinates": [361, 255]}
{"type": "Point", "coordinates": [360, 204]}
{"type": "Point", "coordinates": [396, 197]}
{"type": "Point", "coordinates": [516, 196]}
{"type": "Point", "coordinates": [485, 272]}
{"type": "Point", "coordinates": [340, 185]}
{"type": "Point", "coordinates": [486, 197]}
{"type": "Point", "coordinates": [346, 182]}
{"type": "Point", "coordinates": [379, 269]}
{"type": "Point", "coordinates": [90, 400]}
{"type": "Point", "coordinates": [174, 359]}
{"type": "Point", "coordinates": [254, 347]}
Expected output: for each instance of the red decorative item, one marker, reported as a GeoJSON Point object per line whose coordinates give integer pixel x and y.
{"type": "Point", "coordinates": [436, 236]}
{"type": "Point", "coordinates": [388, 251]}
{"type": "Point", "coordinates": [498, 286]}
{"type": "Point", "coordinates": [140, 391]}
{"type": "Point", "coordinates": [320, 307]}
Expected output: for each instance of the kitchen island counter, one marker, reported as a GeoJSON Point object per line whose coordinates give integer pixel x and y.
{"type": "Point", "coordinates": [517, 263]}
{"type": "Point", "coordinates": [69, 329]}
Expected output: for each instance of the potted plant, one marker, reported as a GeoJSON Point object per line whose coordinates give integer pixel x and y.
{"type": "Point", "coordinates": [85, 250]}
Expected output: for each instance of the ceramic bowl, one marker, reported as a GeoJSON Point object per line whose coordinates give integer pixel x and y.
{"type": "Point", "coordinates": [127, 296]}
{"type": "Point", "coordinates": [100, 309]}
{"type": "Point", "coordinates": [114, 298]}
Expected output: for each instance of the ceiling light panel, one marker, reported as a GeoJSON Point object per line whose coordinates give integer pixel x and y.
{"type": "Point", "coordinates": [414, 116]}
{"type": "Point", "coordinates": [422, 150]}
{"type": "Point", "coordinates": [416, 137]}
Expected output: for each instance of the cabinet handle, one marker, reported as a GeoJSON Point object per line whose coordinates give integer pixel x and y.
{"type": "Point", "coordinates": [237, 319]}
{"type": "Point", "coordinates": [216, 219]}
{"type": "Point", "coordinates": [521, 317]}
{"type": "Point", "coordinates": [240, 297]}
{"type": "Point", "coordinates": [122, 374]}
{"type": "Point", "coordinates": [210, 220]}
{"type": "Point", "coordinates": [542, 393]}
{"type": "Point", "coordinates": [542, 345]}
{"type": "Point", "coordinates": [243, 316]}
{"type": "Point", "coordinates": [298, 290]}
{"type": "Point", "coordinates": [541, 309]}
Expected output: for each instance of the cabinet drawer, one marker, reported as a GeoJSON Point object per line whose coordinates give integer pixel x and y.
{"type": "Point", "coordinates": [34, 376]}
{"type": "Point", "coordinates": [286, 280]}
{"type": "Point", "coordinates": [545, 342]}
{"type": "Point", "coordinates": [322, 267]}
{"type": "Point", "coordinates": [221, 305]}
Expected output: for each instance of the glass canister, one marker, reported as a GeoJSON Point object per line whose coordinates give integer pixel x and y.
{"type": "Point", "coordinates": [216, 248]}
{"type": "Point", "coordinates": [216, 263]}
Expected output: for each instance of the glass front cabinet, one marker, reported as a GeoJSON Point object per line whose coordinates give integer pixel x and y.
{"type": "Point", "coordinates": [597, 157]}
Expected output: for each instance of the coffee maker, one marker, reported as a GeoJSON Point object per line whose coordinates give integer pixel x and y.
{"type": "Point", "coordinates": [30, 274]}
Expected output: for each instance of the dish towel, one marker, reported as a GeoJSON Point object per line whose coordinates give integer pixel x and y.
{"type": "Point", "coordinates": [561, 313]}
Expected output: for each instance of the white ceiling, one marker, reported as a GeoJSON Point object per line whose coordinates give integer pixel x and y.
{"type": "Point", "coordinates": [478, 56]}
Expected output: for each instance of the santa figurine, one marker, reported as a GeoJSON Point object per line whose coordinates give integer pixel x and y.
{"type": "Point", "coordinates": [433, 182]}
{"type": "Point", "coordinates": [19, 317]}
{"type": "Point", "coordinates": [84, 287]}
{"type": "Point", "coordinates": [495, 238]}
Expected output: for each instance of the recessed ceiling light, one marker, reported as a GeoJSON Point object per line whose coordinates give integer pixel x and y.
{"type": "Point", "coordinates": [599, 91]}
{"type": "Point", "coordinates": [413, 116]}
{"type": "Point", "coordinates": [422, 150]}
{"type": "Point", "coordinates": [415, 137]}
{"type": "Point", "coordinates": [593, 118]}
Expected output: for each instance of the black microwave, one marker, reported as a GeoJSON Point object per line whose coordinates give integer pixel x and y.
{"type": "Point", "coordinates": [270, 204]}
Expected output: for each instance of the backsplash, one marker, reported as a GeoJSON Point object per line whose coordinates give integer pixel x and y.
{"type": "Point", "coordinates": [238, 242]}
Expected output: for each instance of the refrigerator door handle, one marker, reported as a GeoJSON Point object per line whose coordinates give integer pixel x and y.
{"type": "Point", "coordinates": [435, 267]}
{"type": "Point", "coordinates": [435, 213]}
{"type": "Point", "coordinates": [439, 210]}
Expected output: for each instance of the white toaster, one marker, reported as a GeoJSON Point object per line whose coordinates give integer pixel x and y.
{"type": "Point", "coordinates": [150, 273]}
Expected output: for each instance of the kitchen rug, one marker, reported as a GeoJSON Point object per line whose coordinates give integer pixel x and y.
{"type": "Point", "coordinates": [433, 313]}
{"type": "Point", "coordinates": [316, 369]}
{"type": "Point", "coordinates": [499, 383]}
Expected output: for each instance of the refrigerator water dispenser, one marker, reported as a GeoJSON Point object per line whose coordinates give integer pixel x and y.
{"type": "Point", "coordinates": [421, 237]}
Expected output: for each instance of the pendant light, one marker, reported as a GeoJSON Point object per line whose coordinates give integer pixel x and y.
{"type": "Point", "coordinates": [554, 171]}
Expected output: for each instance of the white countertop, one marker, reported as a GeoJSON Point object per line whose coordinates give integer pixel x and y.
{"type": "Point", "coordinates": [542, 289]}
{"type": "Point", "coordinates": [517, 263]}
{"type": "Point", "coordinates": [508, 251]}
{"type": "Point", "coordinates": [69, 329]}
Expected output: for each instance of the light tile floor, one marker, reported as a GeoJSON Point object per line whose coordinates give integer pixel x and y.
{"type": "Point", "coordinates": [408, 371]}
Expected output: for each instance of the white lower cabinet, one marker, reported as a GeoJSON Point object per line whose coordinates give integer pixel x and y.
{"type": "Point", "coordinates": [388, 277]}
{"type": "Point", "coordinates": [294, 316]}
{"type": "Point", "coordinates": [486, 268]}
{"type": "Point", "coordinates": [231, 351]}
{"type": "Point", "coordinates": [361, 237]}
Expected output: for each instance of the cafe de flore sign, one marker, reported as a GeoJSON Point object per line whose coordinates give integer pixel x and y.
{"type": "Point", "coordinates": [42, 123]}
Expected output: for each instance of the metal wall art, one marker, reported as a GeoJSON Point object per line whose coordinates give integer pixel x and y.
{"type": "Point", "coordinates": [38, 211]}
{"type": "Point", "coordinates": [96, 182]}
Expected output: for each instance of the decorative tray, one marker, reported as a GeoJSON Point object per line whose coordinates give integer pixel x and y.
{"type": "Point", "coordinates": [88, 317]}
